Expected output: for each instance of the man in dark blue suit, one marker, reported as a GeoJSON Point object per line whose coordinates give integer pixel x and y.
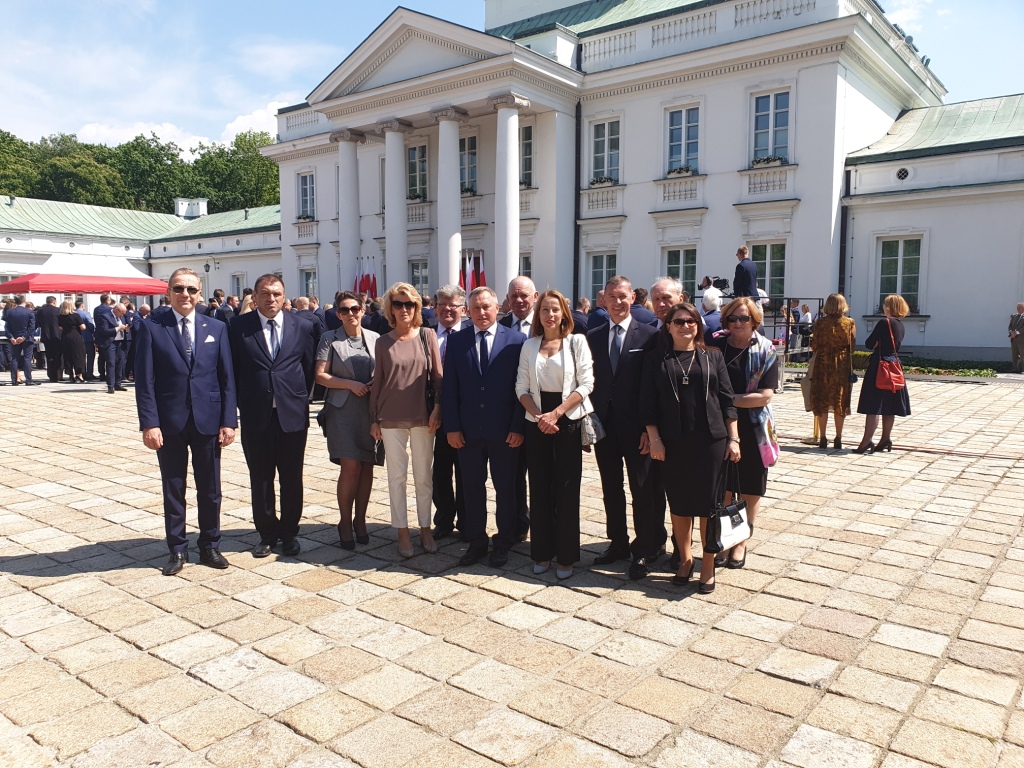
{"type": "Point", "coordinates": [744, 283]}
{"type": "Point", "coordinates": [21, 330]}
{"type": "Point", "coordinates": [485, 422]}
{"type": "Point", "coordinates": [46, 322]}
{"type": "Point", "coordinates": [618, 349]}
{"type": "Point", "coordinates": [185, 394]}
{"type": "Point", "coordinates": [273, 355]}
{"type": "Point", "coordinates": [88, 339]}
{"type": "Point", "coordinates": [109, 334]}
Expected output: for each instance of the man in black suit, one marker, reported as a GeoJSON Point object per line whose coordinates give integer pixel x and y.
{"type": "Point", "coordinates": [579, 315]}
{"type": "Point", "coordinates": [303, 308]}
{"type": "Point", "coordinates": [228, 310]}
{"type": "Point", "coordinates": [374, 320]}
{"type": "Point", "coordinates": [744, 283]}
{"type": "Point", "coordinates": [46, 322]}
{"type": "Point", "coordinates": [273, 354]}
{"type": "Point", "coordinates": [449, 504]}
{"type": "Point", "coordinates": [618, 349]}
{"type": "Point", "coordinates": [521, 298]}
{"type": "Point", "coordinates": [109, 334]}
{"type": "Point", "coordinates": [21, 331]}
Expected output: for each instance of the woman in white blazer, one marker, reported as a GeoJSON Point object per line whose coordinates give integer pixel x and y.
{"type": "Point", "coordinates": [344, 366]}
{"type": "Point", "coordinates": [556, 377]}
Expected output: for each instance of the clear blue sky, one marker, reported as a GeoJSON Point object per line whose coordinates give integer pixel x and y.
{"type": "Point", "coordinates": [110, 69]}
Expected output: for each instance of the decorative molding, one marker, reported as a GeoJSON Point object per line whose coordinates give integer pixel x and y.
{"type": "Point", "coordinates": [449, 113]}
{"type": "Point", "coordinates": [288, 156]}
{"type": "Point", "coordinates": [346, 134]}
{"type": "Point", "coordinates": [702, 74]}
{"type": "Point", "coordinates": [393, 125]}
{"type": "Point", "coordinates": [508, 100]}
{"type": "Point", "coordinates": [677, 30]}
{"type": "Point", "coordinates": [853, 54]}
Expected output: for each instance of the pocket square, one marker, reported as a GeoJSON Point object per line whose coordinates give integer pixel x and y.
{"type": "Point", "coordinates": [209, 339]}
{"type": "Point", "coordinates": [637, 350]}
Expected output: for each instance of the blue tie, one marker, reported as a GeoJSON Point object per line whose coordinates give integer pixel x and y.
{"type": "Point", "coordinates": [275, 344]}
{"type": "Point", "coordinates": [616, 349]}
{"type": "Point", "coordinates": [483, 352]}
{"type": "Point", "coordinates": [186, 339]}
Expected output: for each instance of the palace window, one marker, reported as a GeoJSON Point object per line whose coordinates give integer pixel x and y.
{"type": "Point", "coordinates": [417, 171]}
{"type": "Point", "coordinates": [238, 284]}
{"type": "Point", "coordinates": [771, 125]}
{"type": "Point", "coordinates": [605, 146]}
{"type": "Point", "coordinates": [526, 155]}
{"type": "Point", "coordinates": [602, 269]}
{"type": "Point", "coordinates": [307, 195]}
{"type": "Point", "coordinates": [683, 134]}
{"type": "Point", "coordinates": [900, 272]}
{"type": "Point", "coordinates": [770, 259]}
{"type": "Point", "coordinates": [467, 163]}
{"type": "Point", "coordinates": [526, 264]}
{"type": "Point", "coordinates": [681, 263]}
{"type": "Point", "coordinates": [419, 276]}
{"type": "Point", "coordinates": [307, 279]}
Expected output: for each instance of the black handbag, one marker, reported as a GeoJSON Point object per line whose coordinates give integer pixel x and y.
{"type": "Point", "coordinates": [378, 453]}
{"type": "Point", "coordinates": [728, 524]}
{"type": "Point", "coordinates": [431, 397]}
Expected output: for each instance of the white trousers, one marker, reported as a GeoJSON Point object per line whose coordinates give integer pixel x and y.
{"type": "Point", "coordinates": [398, 443]}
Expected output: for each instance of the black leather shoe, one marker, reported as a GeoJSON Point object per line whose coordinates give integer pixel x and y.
{"type": "Point", "coordinates": [119, 388]}
{"type": "Point", "coordinates": [213, 558]}
{"type": "Point", "coordinates": [674, 561]}
{"type": "Point", "coordinates": [290, 547]}
{"type": "Point", "coordinates": [611, 555]}
{"type": "Point", "coordinates": [110, 390]}
{"type": "Point", "coordinates": [474, 554]}
{"type": "Point", "coordinates": [175, 563]}
{"type": "Point", "coordinates": [263, 549]}
{"type": "Point", "coordinates": [522, 536]}
{"type": "Point", "coordinates": [499, 557]}
{"type": "Point", "coordinates": [442, 532]}
{"type": "Point", "coordinates": [639, 568]}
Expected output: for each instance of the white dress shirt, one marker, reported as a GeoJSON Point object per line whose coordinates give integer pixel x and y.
{"type": "Point", "coordinates": [443, 334]}
{"type": "Point", "coordinates": [266, 329]}
{"type": "Point", "coordinates": [525, 325]}
{"type": "Point", "coordinates": [611, 333]}
{"type": "Point", "coordinates": [191, 317]}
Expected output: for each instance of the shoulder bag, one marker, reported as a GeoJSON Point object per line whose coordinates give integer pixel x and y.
{"type": "Point", "coordinates": [890, 372]}
{"type": "Point", "coordinates": [728, 524]}
{"type": "Point", "coordinates": [431, 397]}
{"type": "Point", "coordinates": [591, 428]}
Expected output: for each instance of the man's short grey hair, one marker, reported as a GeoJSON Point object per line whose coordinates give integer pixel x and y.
{"type": "Point", "coordinates": [483, 289]}
{"type": "Point", "coordinates": [674, 285]}
{"type": "Point", "coordinates": [449, 292]}
{"type": "Point", "coordinates": [712, 300]}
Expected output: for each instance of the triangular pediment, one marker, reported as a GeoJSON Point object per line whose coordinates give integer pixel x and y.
{"type": "Point", "coordinates": [405, 46]}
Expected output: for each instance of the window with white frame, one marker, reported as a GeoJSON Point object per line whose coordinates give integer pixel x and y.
{"type": "Point", "coordinates": [238, 283]}
{"type": "Point", "coordinates": [416, 171]}
{"type": "Point", "coordinates": [602, 269]}
{"type": "Point", "coordinates": [681, 263]}
{"type": "Point", "coordinates": [419, 276]}
{"type": "Point", "coordinates": [604, 161]}
{"type": "Point", "coordinates": [770, 259]}
{"type": "Point", "coordinates": [307, 196]}
{"type": "Point", "coordinates": [771, 125]}
{"type": "Point", "coordinates": [467, 164]}
{"type": "Point", "coordinates": [307, 279]}
{"type": "Point", "coordinates": [900, 271]}
{"type": "Point", "coordinates": [683, 135]}
{"type": "Point", "coordinates": [526, 264]}
{"type": "Point", "coordinates": [526, 155]}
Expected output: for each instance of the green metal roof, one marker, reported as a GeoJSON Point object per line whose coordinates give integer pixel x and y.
{"type": "Point", "coordinates": [26, 214]}
{"type": "Point", "coordinates": [969, 126]}
{"type": "Point", "coordinates": [589, 18]}
{"type": "Point", "coordinates": [267, 217]}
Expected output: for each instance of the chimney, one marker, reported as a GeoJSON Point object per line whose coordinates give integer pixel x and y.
{"type": "Point", "coordinates": [246, 214]}
{"type": "Point", "coordinates": [190, 208]}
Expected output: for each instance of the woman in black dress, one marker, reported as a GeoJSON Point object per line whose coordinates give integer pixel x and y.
{"type": "Point", "coordinates": [686, 406]}
{"type": "Point", "coordinates": [71, 344]}
{"type": "Point", "coordinates": [754, 374]}
{"type": "Point", "coordinates": [885, 340]}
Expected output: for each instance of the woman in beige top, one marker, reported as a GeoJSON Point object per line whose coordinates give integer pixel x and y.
{"type": "Point", "coordinates": [407, 359]}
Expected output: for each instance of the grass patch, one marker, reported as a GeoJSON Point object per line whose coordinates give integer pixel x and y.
{"type": "Point", "coordinates": [986, 369]}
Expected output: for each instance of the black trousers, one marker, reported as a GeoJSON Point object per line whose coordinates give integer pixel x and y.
{"type": "Point", "coordinates": [522, 510]}
{"type": "Point", "coordinates": [556, 465]}
{"type": "Point", "coordinates": [474, 460]}
{"type": "Point", "coordinates": [129, 359]}
{"type": "Point", "coordinates": [90, 360]}
{"type": "Point", "coordinates": [269, 453]}
{"type": "Point", "coordinates": [173, 460]}
{"type": "Point", "coordinates": [449, 502]}
{"type": "Point", "coordinates": [622, 445]}
{"type": "Point", "coordinates": [54, 359]}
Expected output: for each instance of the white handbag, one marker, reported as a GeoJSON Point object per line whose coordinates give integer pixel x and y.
{"type": "Point", "coordinates": [728, 524]}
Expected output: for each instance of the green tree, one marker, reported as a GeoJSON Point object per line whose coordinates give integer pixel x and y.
{"type": "Point", "coordinates": [68, 145]}
{"type": "Point", "coordinates": [18, 172]}
{"type": "Point", "coordinates": [236, 174]}
{"type": "Point", "coordinates": [80, 179]}
{"type": "Point", "coordinates": [153, 172]}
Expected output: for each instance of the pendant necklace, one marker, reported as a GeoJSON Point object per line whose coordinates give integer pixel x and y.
{"type": "Point", "coordinates": [686, 373]}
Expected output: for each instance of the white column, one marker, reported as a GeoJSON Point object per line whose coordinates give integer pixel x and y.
{"type": "Point", "coordinates": [349, 240]}
{"type": "Point", "coordinates": [449, 203]}
{"type": "Point", "coordinates": [565, 191]}
{"type": "Point", "coordinates": [396, 237]}
{"type": "Point", "coordinates": [506, 190]}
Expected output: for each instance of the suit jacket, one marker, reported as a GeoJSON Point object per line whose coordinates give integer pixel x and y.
{"type": "Point", "coordinates": [598, 317]}
{"type": "Point", "coordinates": [643, 315]}
{"type": "Point", "coordinates": [620, 390]}
{"type": "Point", "coordinates": [285, 381]}
{"type": "Point", "coordinates": [312, 316]}
{"type": "Point", "coordinates": [225, 313]}
{"type": "Point", "coordinates": [376, 322]}
{"type": "Point", "coordinates": [580, 321]}
{"type": "Point", "coordinates": [90, 326]}
{"type": "Point", "coordinates": [46, 322]}
{"type": "Point", "coordinates": [338, 360]}
{"type": "Point", "coordinates": [106, 325]}
{"type": "Point", "coordinates": [1016, 323]}
{"type": "Point", "coordinates": [658, 400]}
{"type": "Point", "coordinates": [131, 319]}
{"type": "Point", "coordinates": [712, 323]}
{"type": "Point", "coordinates": [21, 321]}
{"type": "Point", "coordinates": [744, 283]}
{"type": "Point", "coordinates": [482, 407]}
{"type": "Point", "coordinates": [167, 390]}
{"type": "Point", "coordinates": [577, 373]}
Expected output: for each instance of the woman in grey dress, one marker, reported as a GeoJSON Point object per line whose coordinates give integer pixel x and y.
{"type": "Point", "coordinates": [344, 366]}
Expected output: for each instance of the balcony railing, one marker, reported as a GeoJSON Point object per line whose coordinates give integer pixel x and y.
{"type": "Point", "coordinates": [527, 201]}
{"type": "Point", "coordinates": [602, 201]}
{"type": "Point", "coordinates": [306, 230]}
{"type": "Point", "coordinates": [418, 214]}
{"type": "Point", "coordinates": [771, 181]}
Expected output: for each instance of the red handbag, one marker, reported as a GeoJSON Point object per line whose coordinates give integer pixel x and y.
{"type": "Point", "coordinates": [890, 371]}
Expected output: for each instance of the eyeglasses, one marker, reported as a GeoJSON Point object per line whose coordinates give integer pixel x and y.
{"type": "Point", "coordinates": [738, 319]}
{"type": "Point", "coordinates": [192, 290]}
{"type": "Point", "coordinates": [349, 310]}
{"type": "Point", "coordinates": [404, 305]}
{"type": "Point", "coordinates": [450, 306]}
{"type": "Point", "coordinates": [681, 321]}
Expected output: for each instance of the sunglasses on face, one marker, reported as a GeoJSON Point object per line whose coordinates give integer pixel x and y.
{"type": "Point", "coordinates": [404, 304]}
{"type": "Point", "coordinates": [681, 321]}
{"type": "Point", "coordinates": [192, 290]}
{"type": "Point", "coordinates": [738, 319]}
{"type": "Point", "coordinates": [348, 310]}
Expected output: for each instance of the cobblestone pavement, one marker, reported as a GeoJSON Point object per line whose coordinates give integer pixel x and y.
{"type": "Point", "coordinates": [878, 621]}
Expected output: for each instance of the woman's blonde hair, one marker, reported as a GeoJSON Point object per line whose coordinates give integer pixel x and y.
{"type": "Point", "coordinates": [896, 305]}
{"type": "Point", "coordinates": [565, 327]}
{"type": "Point", "coordinates": [412, 293]}
{"type": "Point", "coordinates": [67, 307]}
{"type": "Point", "coordinates": [835, 305]}
{"type": "Point", "coordinates": [247, 305]}
{"type": "Point", "coordinates": [752, 307]}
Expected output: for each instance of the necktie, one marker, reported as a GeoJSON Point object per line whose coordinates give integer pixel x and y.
{"type": "Point", "coordinates": [275, 343]}
{"type": "Point", "coordinates": [616, 350]}
{"type": "Point", "coordinates": [483, 352]}
{"type": "Point", "coordinates": [443, 341]}
{"type": "Point", "coordinates": [186, 339]}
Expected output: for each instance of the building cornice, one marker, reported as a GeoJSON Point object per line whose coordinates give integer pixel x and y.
{"type": "Point", "coordinates": [929, 196]}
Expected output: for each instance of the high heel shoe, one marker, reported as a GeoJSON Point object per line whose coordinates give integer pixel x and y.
{"type": "Point", "coordinates": [682, 581]}
{"type": "Point", "coordinates": [837, 444]}
{"type": "Point", "coordinates": [870, 447]}
{"type": "Point", "coordinates": [427, 541]}
{"type": "Point", "coordinates": [365, 538]}
{"type": "Point", "coordinates": [349, 545]}
{"type": "Point", "coordinates": [823, 443]}
{"type": "Point", "coordinates": [883, 445]}
{"type": "Point", "coordinates": [706, 588]}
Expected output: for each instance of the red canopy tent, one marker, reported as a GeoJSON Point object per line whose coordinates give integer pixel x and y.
{"type": "Point", "coordinates": [45, 283]}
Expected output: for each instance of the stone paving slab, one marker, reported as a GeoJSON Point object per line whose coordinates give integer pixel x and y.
{"type": "Point", "coordinates": [878, 623]}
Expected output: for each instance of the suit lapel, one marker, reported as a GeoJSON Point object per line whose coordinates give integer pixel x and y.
{"type": "Point", "coordinates": [175, 334]}
{"type": "Point", "coordinates": [255, 332]}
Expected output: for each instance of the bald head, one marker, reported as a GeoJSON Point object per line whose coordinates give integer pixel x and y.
{"type": "Point", "coordinates": [522, 295]}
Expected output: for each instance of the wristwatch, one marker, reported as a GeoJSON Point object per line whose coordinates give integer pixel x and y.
{"type": "Point", "coordinates": [733, 439]}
